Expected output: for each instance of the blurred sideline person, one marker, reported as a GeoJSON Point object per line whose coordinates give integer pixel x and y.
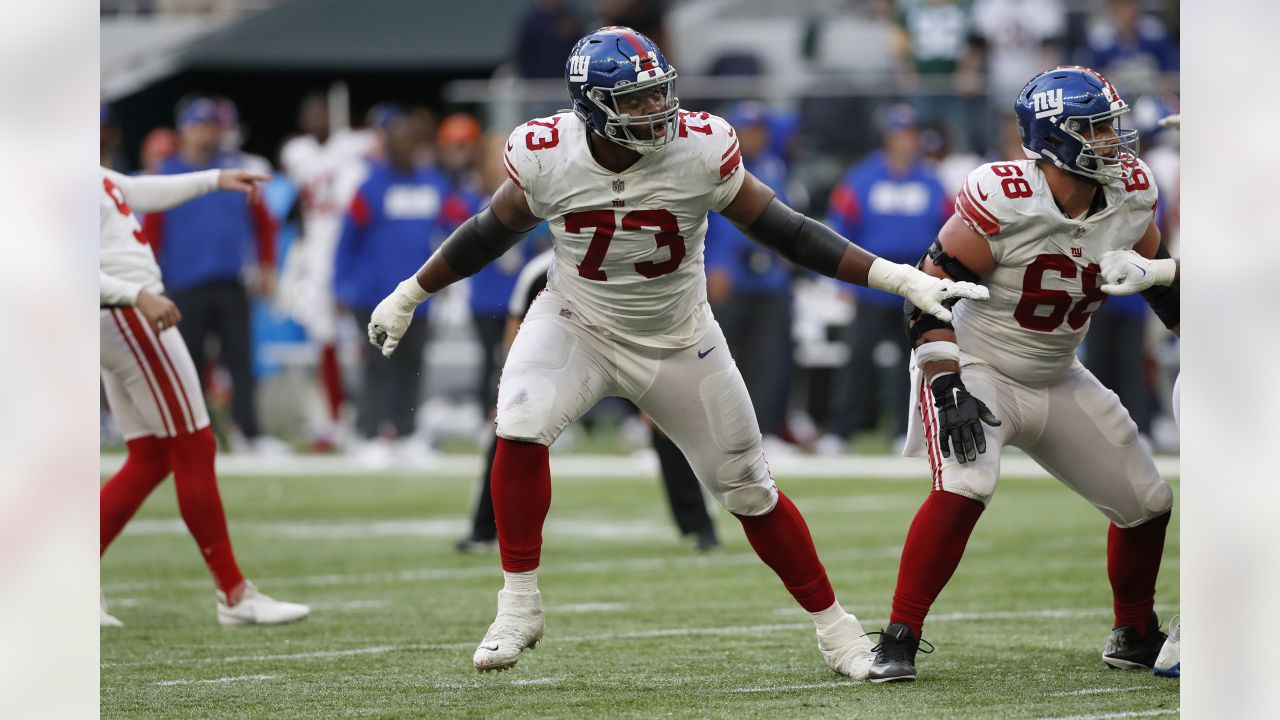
{"type": "Point", "coordinates": [391, 223]}
{"type": "Point", "coordinates": [625, 182]}
{"type": "Point", "coordinates": [153, 389]}
{"type": "Point", "coordinates": [892, 203]}
{"type": "Point", "coordinates": [684, 494]}
{"type": "Point", "coordinates": [327, 165]}
{"type": "Point", "coordinates": [749, 287]}
{"type": "Point", "coordinates": [201, 247]}
{"type": "Point", "coordinates": [1034, 231]}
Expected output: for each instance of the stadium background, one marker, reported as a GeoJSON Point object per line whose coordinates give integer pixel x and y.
{"type": "Point", "coordinates": [827, 72]}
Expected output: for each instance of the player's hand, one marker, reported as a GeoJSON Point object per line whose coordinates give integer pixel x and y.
{"type": "Point", "coordinates": [159, 310]}
{"type": "Point", "coordinates": [1125, 272]}
{"type": "Point", "coordinates": [242, 181]}
{"type": "Point", "coordinates": [932, 295]}
{"type": "Point", "coordinates": [390, 320]}
{"type": "Point", "coordinates": [960, 418]}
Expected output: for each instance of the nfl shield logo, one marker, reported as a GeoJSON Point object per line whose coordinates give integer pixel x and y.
{"type": "Point", "coordinates": [619, 185]}
{"type": "Point", "coordinates": [1079, 233]}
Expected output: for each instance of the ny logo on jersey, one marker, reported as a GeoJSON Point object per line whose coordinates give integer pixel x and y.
{"type": "Point", "coordinates": [1047, 103]}
{"type": "Point", "coordinates": [578, 67]}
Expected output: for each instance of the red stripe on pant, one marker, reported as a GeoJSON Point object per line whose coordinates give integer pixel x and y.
{"type": "Point", "coordinates": [183, 393]}
{"type": "Point", "coordinates": [157, 367]}
{"type": "Point", "coordinates": [930, 434]}
{"type": "Point", "coordinates": [160, 408]}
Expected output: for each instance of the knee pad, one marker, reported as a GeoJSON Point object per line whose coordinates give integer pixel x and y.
{"type": "Point", "coordinates": [1155, 500]}
{"type": "Point", "coordinates": [525, 404]}
{"type": "Point", "coordinates": [970, 481]}
{"type": "Point", "coordinates": [743, 486]}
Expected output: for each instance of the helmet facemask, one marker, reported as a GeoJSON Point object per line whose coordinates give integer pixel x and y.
{"type": "Point", "coordinates": [1107, 150]}
{"type": "Point", "coordinates": [627, 125]}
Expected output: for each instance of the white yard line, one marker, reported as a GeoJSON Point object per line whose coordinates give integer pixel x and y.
{"type": "Point", "coordinates": [535, 681]}
{"type": "Point", "coordinates": [1101, 691]}
{"type": "Point", "coordinates": [608, 637]}
{"type": "Point", "coordinates": [341, 605]}
{"type": "Point", "coordinates": [1110, 715]}
{"type": "Point", "coordinates": [608, 466]}
{"type": "Point", "coordinates": [216, 681]}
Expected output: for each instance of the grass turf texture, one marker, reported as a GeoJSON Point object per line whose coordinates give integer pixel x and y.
{"type": "Point", "coordinates": [638, 624]}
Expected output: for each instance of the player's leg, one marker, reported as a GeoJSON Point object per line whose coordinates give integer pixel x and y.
{"type": "Point", "coordinates": [698, 398]}
{"type": "Point", "coordinates": [684, 494]}
{"type": "Point", "coordinates": [237, 355]}
{"type": "Point", "coordinates": [938, 535]}
{"type": "Point", "coordinates": [556, 370]}
{"type": "Point", "coordinates": [1090, 443]}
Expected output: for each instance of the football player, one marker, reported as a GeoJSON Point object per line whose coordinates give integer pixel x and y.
{"type": "Point", "coordinates": [1034, 231]}
{"type": "Point", "coordinates": [626, 180]}
{"type": "Point", "coordinates": [153, 389]}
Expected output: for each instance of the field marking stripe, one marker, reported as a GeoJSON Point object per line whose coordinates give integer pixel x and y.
{"type": "Point", "coordinates": [634, 635]}
{"type": "Point", "coordinates": [234, 678]}
{"type": "Point", "coordinates": [1101, 691]}
{"type": "Point", "coordinates": [784, 688]}
{"type": "Point", "coordinates": [1108, 716]}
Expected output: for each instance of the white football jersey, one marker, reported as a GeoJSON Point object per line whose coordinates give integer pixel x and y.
{"type": "Point", "coordinates": [629, 246]}
{"type": "Point", "coordinates": [124, 254]}
{"type": "Point", "coordinates": [1045, 284]}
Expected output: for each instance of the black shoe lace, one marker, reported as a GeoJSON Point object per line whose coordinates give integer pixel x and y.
{"type": "Point", "coordinates": [894, 643]}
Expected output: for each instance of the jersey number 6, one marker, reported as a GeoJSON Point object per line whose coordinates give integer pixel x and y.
{"type": "Point", "coordinates": [604, 221]}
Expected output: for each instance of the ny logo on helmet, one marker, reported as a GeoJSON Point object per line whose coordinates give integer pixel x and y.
{"type": "Point", "coordinates": [1047, 103]}
{"type": "Point", "coordinates": [579, 65]}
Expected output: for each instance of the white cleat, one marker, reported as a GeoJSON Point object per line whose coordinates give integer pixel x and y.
{"type": "Point", "coordinates": [255, 608]}
{"type": "Point", "coordinates": [1169, 661]}
{"type": "Point", "coordinates": [106, 619]}
{"type": "Point", "coordinates": [847, 649]}
{"type": "Point", "coordinates": [519, 625]}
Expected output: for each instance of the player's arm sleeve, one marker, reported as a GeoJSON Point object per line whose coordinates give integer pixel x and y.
{"type": "Point", "coordinates": [115, 291]}
{"type": "Point", "coordinates": [153, 193]}
{"type": "Point", "coordinates": [724, 159]}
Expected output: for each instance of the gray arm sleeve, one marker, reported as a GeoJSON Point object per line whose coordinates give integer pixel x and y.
{"type": "Point", "coordinates": [477, 242]}
{"type": "Point", "coordinates": [805, 242]}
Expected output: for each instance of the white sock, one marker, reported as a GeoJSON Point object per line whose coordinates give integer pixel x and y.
{"type": "Point", "coordinates": [521, 582]}
{"type": "Point", "coordinates": [826, 619]}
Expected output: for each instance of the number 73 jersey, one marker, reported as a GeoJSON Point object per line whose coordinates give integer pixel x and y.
{"type": "Point", "coordinates": [629, 245]}
{"type": "Point", "coordinates": [1046, 280]}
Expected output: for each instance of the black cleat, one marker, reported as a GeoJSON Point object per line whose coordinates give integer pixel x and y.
{"type": "Point", "coordinates": [1127, 650]}
{"type": "Point", "coordinates": [896, 655]}
{"type": "Point", "coordinates": [706, 540]}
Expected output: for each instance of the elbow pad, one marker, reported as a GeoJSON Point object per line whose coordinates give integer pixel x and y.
{"type": "Point", "coordinates": [477, 242]}
{"type": "Point", "coordinates": [805, 242]}
{"type": "Point", "coordinates": [1164, 299]}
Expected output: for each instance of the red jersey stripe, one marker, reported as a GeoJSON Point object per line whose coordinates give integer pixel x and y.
{"type": "Point", "coordinates": [729, 152]}
{"type": "Point", "coordinates": [731, 164]}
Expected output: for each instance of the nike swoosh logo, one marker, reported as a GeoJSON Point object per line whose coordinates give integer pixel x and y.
{"type": "Point", "coordinates": [490, 648]}
{"type": "Point", "coordinates": [980, 193]}
{"type": "Point", "coordinates": [704, 353]}
{"type": "Point", "coordinates": [955, 396]}
{"type": "Point", "coordinates": [1144, 270]}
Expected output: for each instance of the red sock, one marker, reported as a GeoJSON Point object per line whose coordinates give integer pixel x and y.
{"type": "Point", "coordinates": [935, 543]}
{"type": "Point", "coordinates": [146, 466]}
{"type": "Point", "coordinates": [1133, 561]}
{"type": "Point", "coordinates": [331, 376]}
{"type": "Point", "coordinates": [781, 539]}
{"type": "Point", "coordinates": [192, 457]}
{"type": "Point", "coordinates": [521, 488]}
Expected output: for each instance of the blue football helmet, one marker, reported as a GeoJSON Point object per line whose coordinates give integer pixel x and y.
{"type": "Point", "coordinates": [623, 88]}
{"type": "Point", "coordinates": [1070, 116]}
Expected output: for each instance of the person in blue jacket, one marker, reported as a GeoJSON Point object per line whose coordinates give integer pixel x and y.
{"type": "Point", "coordinates": [892, 204]}
{"type": "Point", "coordinates": [392, 223]}
{"type": "Point", "coordinates": [748, 286]}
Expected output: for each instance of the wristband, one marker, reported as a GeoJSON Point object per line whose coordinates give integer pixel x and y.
{"type": "Point", "coordinates": [887, 276]}
{"type": "Point", "coordinates": [937, 350]}
{"type": "Point", "coordinates": [410, 291]}
{"type": "Point", "coordinates": [1163, 271]}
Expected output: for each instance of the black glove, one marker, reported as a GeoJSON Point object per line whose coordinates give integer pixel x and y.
{"type": "Point", "coordinates": [958, 416]}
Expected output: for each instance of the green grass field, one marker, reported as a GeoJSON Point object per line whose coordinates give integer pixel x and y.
{"type": "Point", "coordinates": [638, 624]}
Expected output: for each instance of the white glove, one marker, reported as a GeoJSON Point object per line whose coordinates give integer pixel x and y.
{"type": "Point", "coordinates": [391, 318]}
{"type": "Point", "coordinates": [923, 290]}
{"type": "Point", "coordinates": [1125, 272]}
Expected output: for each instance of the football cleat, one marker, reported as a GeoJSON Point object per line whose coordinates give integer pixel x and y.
{"type": "Point", "coordinates": [846, 648]}
{"type": "Point", "coordinates": [519, 625]}
{"type": "Point", "coordinates": [1169, 661]}
{"type": "Point", "coordinates": [255, 608]}
{"type": "Point", "coordinates": [106, 619]}
{"type": "Point", "coordinates": [896, 655]}
{"type": "Point", "coordinates": [1127, 650]}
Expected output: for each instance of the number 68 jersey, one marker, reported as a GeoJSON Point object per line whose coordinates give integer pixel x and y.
{"type": "Point", "coordinates": [629, 245]}
{"type": "Point", "coordinates": [1046, 280]}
